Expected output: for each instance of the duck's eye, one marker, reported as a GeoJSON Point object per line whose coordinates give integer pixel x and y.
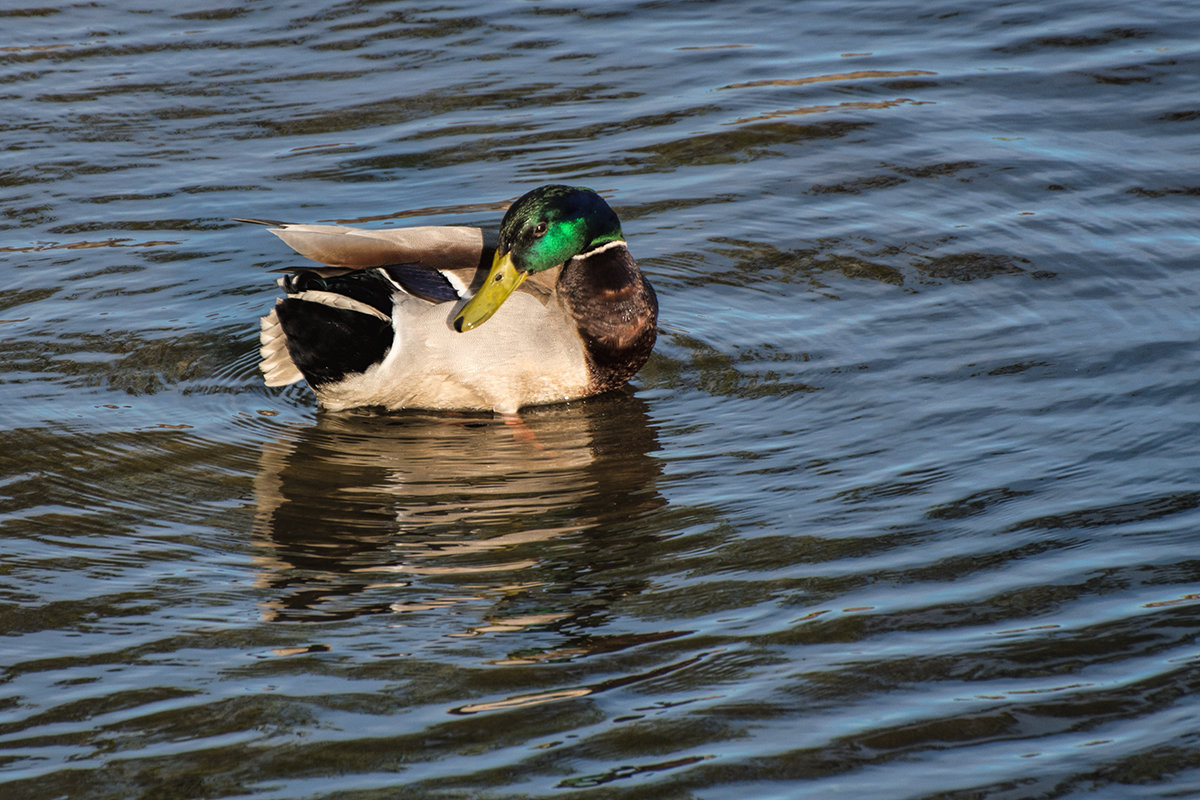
{"type": "Point", "coordinates": [540, 229]}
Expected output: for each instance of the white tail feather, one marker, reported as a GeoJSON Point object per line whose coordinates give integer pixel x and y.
{"type": "Point", "coordinates": [277, 366]}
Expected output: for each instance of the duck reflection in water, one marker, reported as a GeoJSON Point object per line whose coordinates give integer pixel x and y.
{"type": "Point", "coordinates": [387, 514]}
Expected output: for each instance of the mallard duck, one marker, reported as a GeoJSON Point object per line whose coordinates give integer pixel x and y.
{"type": "Point", "coordinates": [448, 318]}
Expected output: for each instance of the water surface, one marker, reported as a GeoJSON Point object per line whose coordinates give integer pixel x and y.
{"type": "Point", "coordinates": [904, 505]}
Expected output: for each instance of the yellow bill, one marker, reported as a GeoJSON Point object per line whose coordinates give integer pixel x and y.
{"type": "Point", "coordinates": [502, 280]}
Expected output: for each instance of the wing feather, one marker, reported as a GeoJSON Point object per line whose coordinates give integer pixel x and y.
{"type": "Point", "coordinates": [439, 247]}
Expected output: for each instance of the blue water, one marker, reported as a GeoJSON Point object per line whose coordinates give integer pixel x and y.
{"type": "Point", "coordinates": [904, 505]}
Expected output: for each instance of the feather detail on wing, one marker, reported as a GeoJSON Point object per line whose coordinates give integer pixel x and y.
{"type": "Point", "coordinates": [440, 247]}
{"type": "Point", "coordinates": [431, 285]}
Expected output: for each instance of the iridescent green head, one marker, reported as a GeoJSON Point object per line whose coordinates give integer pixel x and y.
{"type": "Point", "coordinates": [553, 223]}
{"type": "Point", "coordinates": [543, 229]}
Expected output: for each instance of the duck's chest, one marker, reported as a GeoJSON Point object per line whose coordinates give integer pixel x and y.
{"type": "Point", "coordinates": [529, 353]}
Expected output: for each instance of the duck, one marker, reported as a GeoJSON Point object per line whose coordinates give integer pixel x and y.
{"type": "Point", "coordinates": [550, 309]}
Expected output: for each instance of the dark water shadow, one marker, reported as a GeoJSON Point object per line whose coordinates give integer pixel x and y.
{"type": "Point", "coordinates": [410, 513]}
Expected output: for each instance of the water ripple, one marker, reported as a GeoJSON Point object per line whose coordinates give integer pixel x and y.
{"type": "Point", "coordinates": [902, 506]}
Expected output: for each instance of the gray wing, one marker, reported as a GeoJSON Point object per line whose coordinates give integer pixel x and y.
{"type": "Point", "coordinates": [458, 250]}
